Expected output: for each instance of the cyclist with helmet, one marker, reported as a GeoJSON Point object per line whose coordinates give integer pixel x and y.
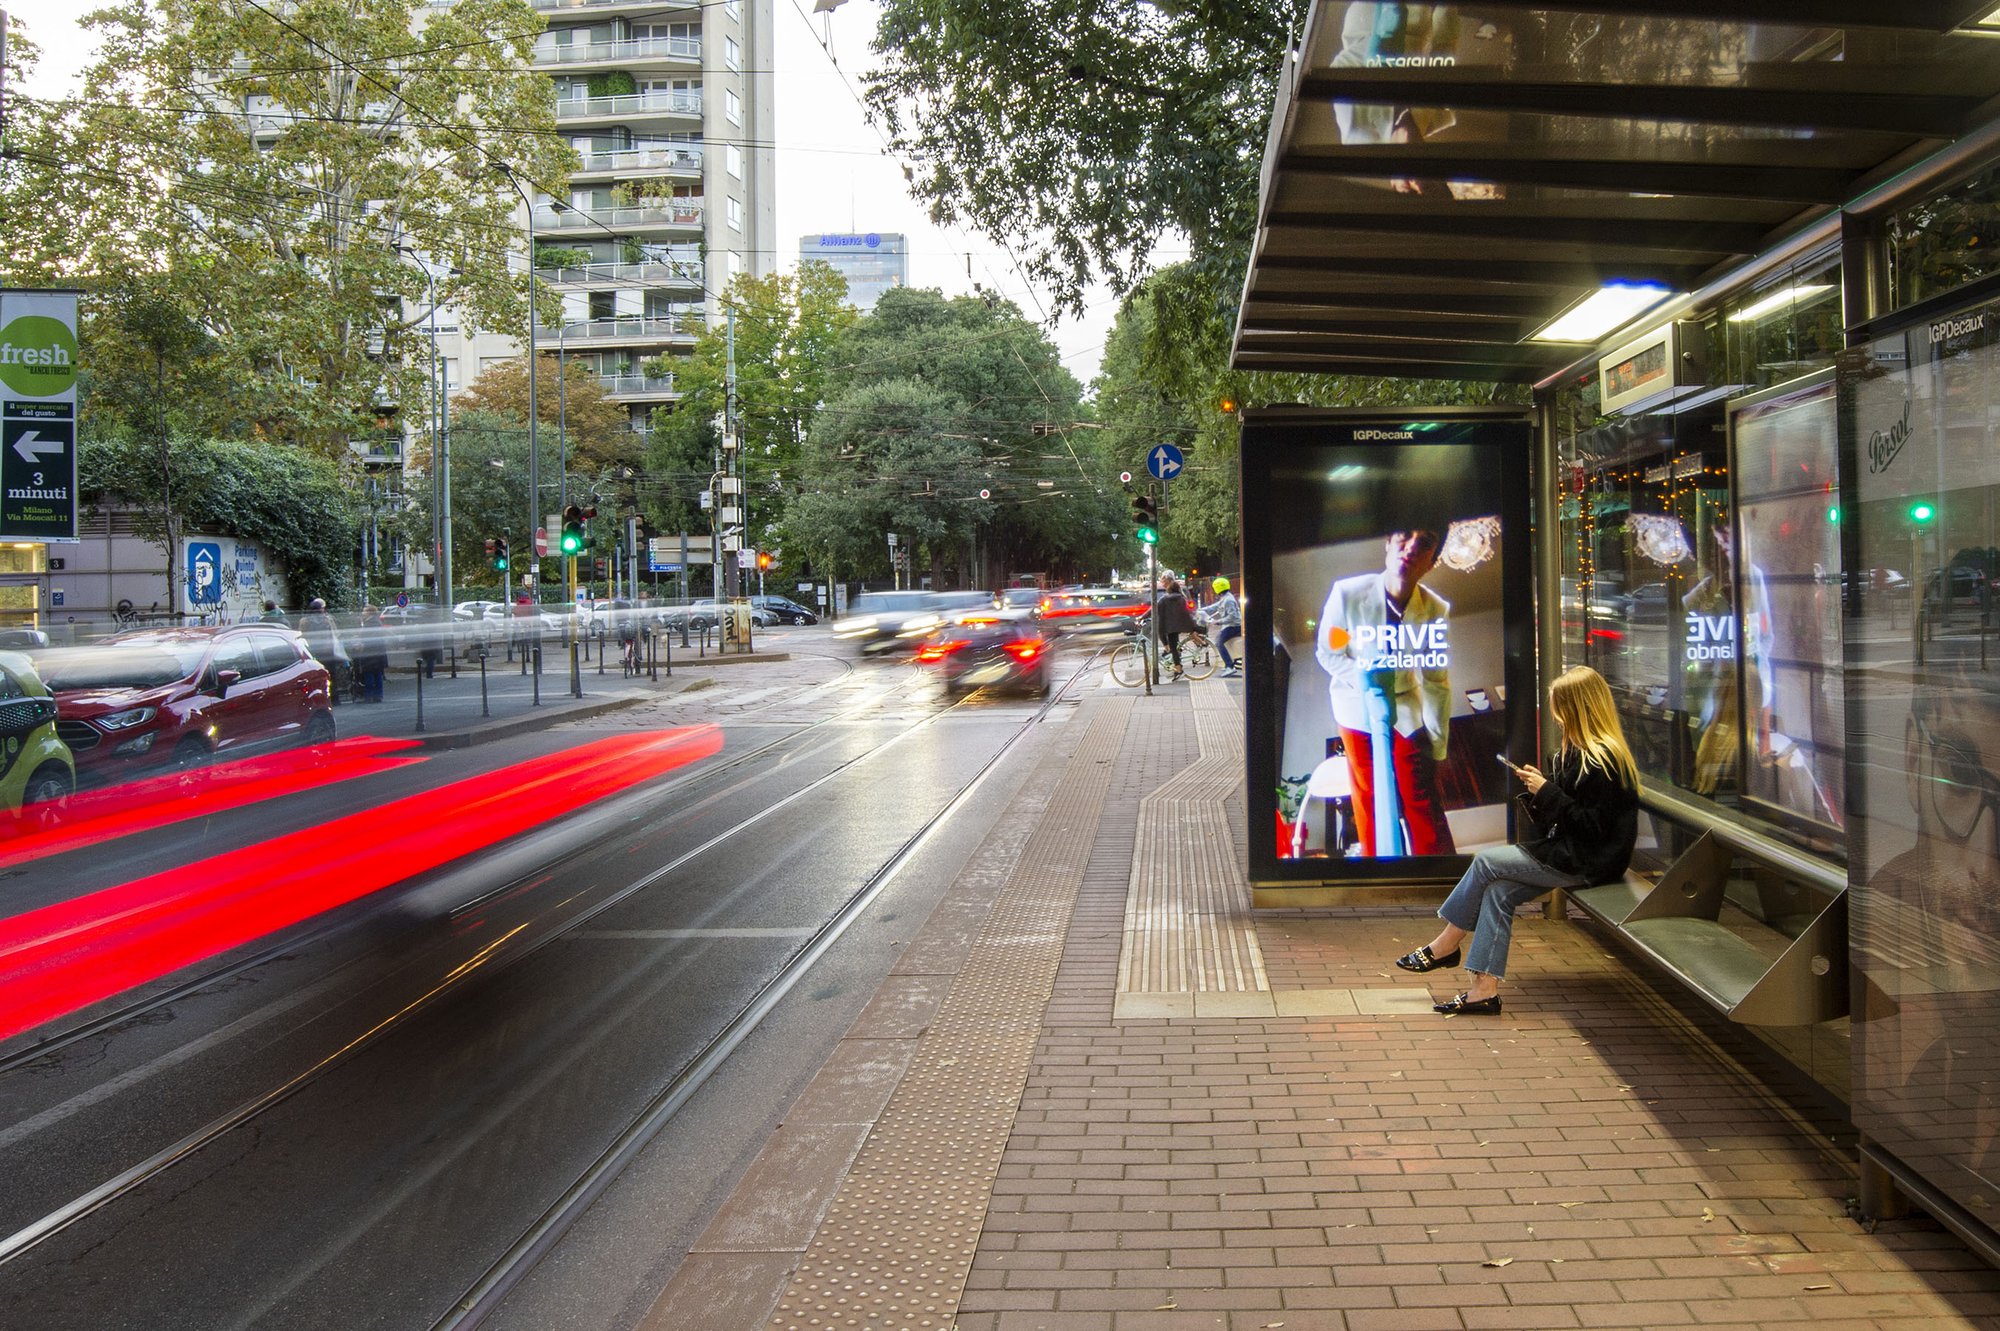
{"type": "Point", "coordinates": [1225, 617]}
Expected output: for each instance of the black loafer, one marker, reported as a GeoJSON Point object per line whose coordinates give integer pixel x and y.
{"type": "Point", "coordinates": [1461, 1006]}
{"type": "Point", "coordinates": [1424, 960]}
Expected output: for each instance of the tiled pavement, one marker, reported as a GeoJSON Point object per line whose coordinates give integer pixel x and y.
{"type": "Point", "coordinates": [1593, 1157]}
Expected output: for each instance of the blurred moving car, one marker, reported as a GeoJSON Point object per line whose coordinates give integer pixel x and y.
{"type": "Point", "coordinates": [158, 698]}
{"type": "Point", "coordinates": [989, 651]}
{"type": "Point", "coordinates": [784, 610]}
{"type": "Point", "coordinates": [889, 621]}
{"type": "Point", "coordinates": [22, 639]}
{"type": "Point", "coordinates": [36, 769]}
{"type": "Point", "coordinates": [1021, 598]}
{"type": "Point", "coordinates": [1090, 609]}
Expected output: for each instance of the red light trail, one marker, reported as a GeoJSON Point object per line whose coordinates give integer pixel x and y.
{"type": "Point", "coordinates": [64, 957]}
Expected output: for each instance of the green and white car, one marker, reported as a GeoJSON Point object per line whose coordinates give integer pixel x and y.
{"type": "Point", "coordinates": [36, 769]}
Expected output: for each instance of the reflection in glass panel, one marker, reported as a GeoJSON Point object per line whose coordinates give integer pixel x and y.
{"type": "Point", "coordinates": [1649, 579]}
{"type": "Point", "coordinates": [1789, 327]}
{"type": "Point", "coordinates": [1918, 416]}
{"type": "Point", "coordinates": [1943, 243]}
{"type": "Point", "coordinates": [1788, 514]}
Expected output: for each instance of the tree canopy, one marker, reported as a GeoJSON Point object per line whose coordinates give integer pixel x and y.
{"type": "Point", "coordinates": [276, 174]}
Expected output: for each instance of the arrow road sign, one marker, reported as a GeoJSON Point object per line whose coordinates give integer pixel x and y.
{"type": "Point", "coordinates": [1165, 462]}
{"type": "Point", "coordinates": [34, 448]}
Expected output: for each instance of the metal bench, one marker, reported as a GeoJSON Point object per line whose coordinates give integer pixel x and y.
{"type": "Point", "coordinates": [1785, 964]}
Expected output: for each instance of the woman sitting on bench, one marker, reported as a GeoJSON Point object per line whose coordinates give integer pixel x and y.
{"type": "Point", "coordinates": [1587, 808]}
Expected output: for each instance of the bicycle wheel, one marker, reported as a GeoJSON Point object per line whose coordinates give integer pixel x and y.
{"type": "Point", "coordinates": [1198, 659]}
{"type": "Point", "coordinates": [1128, 664]}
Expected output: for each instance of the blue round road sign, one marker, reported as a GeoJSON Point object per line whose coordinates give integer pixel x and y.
{"type": "Point", "coordinates": [402, 600]}
{"type": "Point", "coordinates": [1164, 461]}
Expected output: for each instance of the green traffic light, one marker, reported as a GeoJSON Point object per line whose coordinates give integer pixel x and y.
{"type": "Point", "coordinates": [571, 542]}
{"type": "Point", "coordinates": [1148, 536]}
{"type": "Point", "coordinates": [1922, 512]}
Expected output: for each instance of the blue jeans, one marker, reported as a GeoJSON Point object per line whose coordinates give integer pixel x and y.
{"type": "Point", "coordinates": [1229, 633]}
{"type": "Point", "coordinates": [1501, 880]}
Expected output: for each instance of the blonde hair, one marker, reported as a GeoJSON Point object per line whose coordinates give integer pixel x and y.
{"type": "Point", "coordinates": [1582, 702]}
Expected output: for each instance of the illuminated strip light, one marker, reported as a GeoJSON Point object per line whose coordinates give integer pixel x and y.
{"type": "Point", "coordinates": [97, 816]}
{"type": "Point", "coordinates": [62, 958]}
{"type": "Point", "coordinates": [1608, 308]}
{"type": "Point", "coordinates": [1804, 294]}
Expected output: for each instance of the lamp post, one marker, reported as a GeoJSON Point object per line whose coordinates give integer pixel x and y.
{"type": "Point", "coordinates": [441, 444]}
{"type": "Point", "coordinates": [534, 455]}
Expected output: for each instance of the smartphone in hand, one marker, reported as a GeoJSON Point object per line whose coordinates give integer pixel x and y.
{"type": "Point", "coordinates": [1509, 763]}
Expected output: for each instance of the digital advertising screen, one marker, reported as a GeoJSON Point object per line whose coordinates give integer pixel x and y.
{"type": "Point", "coordinates": [1387, 566]}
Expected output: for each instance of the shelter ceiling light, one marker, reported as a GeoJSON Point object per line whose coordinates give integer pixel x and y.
{"type": "Point", "coordinates": [1803, 294]}
{"type": "Point", "coordinates": [1609, 307]}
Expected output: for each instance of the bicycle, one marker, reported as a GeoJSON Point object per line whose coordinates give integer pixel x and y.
{"type": "Point", "coordinates": [1129, 661]}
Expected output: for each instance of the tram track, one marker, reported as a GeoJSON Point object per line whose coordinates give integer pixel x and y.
{"type": "Point", "coordinates": [510, 949]}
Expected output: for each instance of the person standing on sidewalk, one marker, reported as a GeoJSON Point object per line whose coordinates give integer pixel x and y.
{"type": "Point", "coordinates": [370, 648]}
{"type": "Point", "coordinates": [1587, 811]}
{"type": "Point", "coordinates": [1175, 619]}
{"type": "Point", "coordinates": [1225, 618]}
{"type": "Point", "coordinates": [323, 641]}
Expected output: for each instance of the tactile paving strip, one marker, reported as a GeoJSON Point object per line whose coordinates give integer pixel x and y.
{"type": "Point", "coordinates": [898, 1239]}
{"type": "Point", "coordinates": [1187, 913]}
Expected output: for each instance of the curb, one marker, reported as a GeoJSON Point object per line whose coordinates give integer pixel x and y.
{"type": "Point", "coordinates": [517, 725]}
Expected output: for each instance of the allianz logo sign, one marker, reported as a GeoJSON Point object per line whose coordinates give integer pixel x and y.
{"type": "Point", "coordinates": [1383, 434]}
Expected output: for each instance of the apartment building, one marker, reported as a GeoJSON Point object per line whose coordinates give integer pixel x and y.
{"type": "Point", "coordinates": [670, 108]}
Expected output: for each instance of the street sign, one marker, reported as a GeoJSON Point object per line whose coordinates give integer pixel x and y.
{"type": "Point", "coordinates": [541, 540]}
{"type": "Point", "coordinates": [402, 600]}
{"type": "Point", "coordinates": [746, 559]}
{"type": "Point", "coordinates": [892, 540]}
{"type": "Point", "coordinates": [204, 573]}
{"type": "Point", "coordinates": [38, 369]}
{"type": "Point", "coordinates": [1164, 462]}
{"type": "Point", "coordinates": [1124, 478]}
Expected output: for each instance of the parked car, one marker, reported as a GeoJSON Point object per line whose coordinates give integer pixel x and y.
{"type": "Point", "coordinates": [784, 610]}
{"type": "Point", "coordinates": [889, 621]}
{"type": "Point", "coordinates": [990, 651]}
{"type": "Point", "coordinates": [36, 768]}
{"type": "Point", "coordinates": [157, 698]}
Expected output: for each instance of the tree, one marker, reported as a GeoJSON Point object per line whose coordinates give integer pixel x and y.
{"type": "Point", "coordinates": [1080, 134]}
{"type": "Point", "coordinates": [787, 326]}
{"type": "Point", "coordinates": [275, 171]}
{"type": "Point", "coordinates": [929, 402]}
{"type": "Point", "coordinates": [596, 432]}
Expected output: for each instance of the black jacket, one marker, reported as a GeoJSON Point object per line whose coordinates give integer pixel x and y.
{"type": "Point", "coordinates": [1590, 817]}
{"type": "Point", "coordinates": [1175, 617]}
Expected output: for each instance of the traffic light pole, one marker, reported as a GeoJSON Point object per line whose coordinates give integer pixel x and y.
{"type": "Point", "coordinates": [1153, 620]}
{"type": "Point", "coordinates": [575, 674]}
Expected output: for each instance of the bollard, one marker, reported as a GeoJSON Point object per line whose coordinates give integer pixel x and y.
{"type": "Point", "coordinates": [420, 693]}
{"type": "Point", "coordinates": [454, 661]}
{"type": "Point", "coordinates": [483, 709]}
{"type": "Point", "coordinates": [538, 672]}
{"type": "Point", "coordinates": [600, 651]}
{"type": "Point", "coordinates": [653, 652]}
{"type": "Point", "coordinates": [670, 658]}
{"type": "Point", "coordinates": [575, 673]}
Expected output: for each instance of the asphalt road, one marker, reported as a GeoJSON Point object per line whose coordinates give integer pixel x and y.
{"type": "Point", "coordinates": [346, 1122]}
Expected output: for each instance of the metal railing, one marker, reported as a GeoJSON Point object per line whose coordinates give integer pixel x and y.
{"type": "Point", "coordinates": [677, 212]}
{"type": "Point", "coordinates": [638, 48]}
{"type": "Point", "coordinates": [688, 270]}
{"type": "Point", "coordinates": [637, 383]}
{"type": "Point", "coordinates": [624, 325]}
{"type": "Point", "coordinates": [675, 102]}
{"type": "Point", "coordinates": [645, 159]}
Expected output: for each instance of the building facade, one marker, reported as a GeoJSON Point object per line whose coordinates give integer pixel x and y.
{"type": "Point", "coordinates": [872, 262]}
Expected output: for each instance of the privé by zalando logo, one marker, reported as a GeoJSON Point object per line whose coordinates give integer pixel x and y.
{"type": "Point", "coordinates": [1383, 434]}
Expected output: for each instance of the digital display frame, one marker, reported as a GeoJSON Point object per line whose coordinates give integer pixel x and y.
{"type": "Point", "coordinates": [1357, 625]}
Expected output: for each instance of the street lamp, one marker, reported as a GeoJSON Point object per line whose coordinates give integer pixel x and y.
{"type": "Point", "coordinates": [440, 441]}
{"type": "Point", "coordinates": [534, 317]}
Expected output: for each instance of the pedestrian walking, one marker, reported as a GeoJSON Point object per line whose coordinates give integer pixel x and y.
{"type": "Point", "coordinates": [370, 652]}
{"type": "Point", "coordinates": [1586, 810]}
{"type": "Point", "coordinates": [1175, 619]}
{"type": "Point", "coordinates": [323, 641]}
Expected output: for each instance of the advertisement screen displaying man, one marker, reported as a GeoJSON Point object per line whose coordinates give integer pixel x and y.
{"type": "Point", "coordinates": [1387, 624]}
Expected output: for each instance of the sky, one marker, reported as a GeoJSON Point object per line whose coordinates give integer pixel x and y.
{"type": "Point", "coordinates": [834, 173]}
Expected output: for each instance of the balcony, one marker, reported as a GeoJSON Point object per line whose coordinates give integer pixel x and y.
{"type": "Point", "coordinates": [635, 51]}
{"type": "Point", "coordinates": [686, 159]}
{"type": "Point", "coordinates": [600, 4]}
{"type": "Point", "coordinates": [625, 327]}
{"type": "Point", "coordinates": [631, 106]}
{"type": "Point", "coordinates": [686, 270]}
{"type": "Point", "coordinates": [638, 385]}
{"type": "Point", "coordinates": [671, 212]}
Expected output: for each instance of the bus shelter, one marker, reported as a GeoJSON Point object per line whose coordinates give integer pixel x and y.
{"type": "Point", "coordinates": [1743, 263]}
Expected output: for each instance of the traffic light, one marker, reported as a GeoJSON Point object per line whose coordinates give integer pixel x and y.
{"type": "Point", "coordinates": [1146, 519]}
{"type": "Point", "coordinates": [497, 548]}
{"type": "Point", "coordinates": [1922, 511]}
{"type": "Point", "coordinates": [572, 530]}
{"type": "Point", "coordinates": [764, 561]}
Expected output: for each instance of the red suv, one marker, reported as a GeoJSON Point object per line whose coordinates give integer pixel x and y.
{"type": "Point", "coordinates": [155, 698]}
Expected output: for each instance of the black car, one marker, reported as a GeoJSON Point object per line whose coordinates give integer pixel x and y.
{"type": "Point", "coordinates": [991, 651]}
{"type": "Point", "coordinates": [785, 611]}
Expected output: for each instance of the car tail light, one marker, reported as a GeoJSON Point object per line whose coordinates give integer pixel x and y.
{"type": "Point", "coordinates": [937, 651]}
{"type": "Point", "coordinates": [1025, 650]}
